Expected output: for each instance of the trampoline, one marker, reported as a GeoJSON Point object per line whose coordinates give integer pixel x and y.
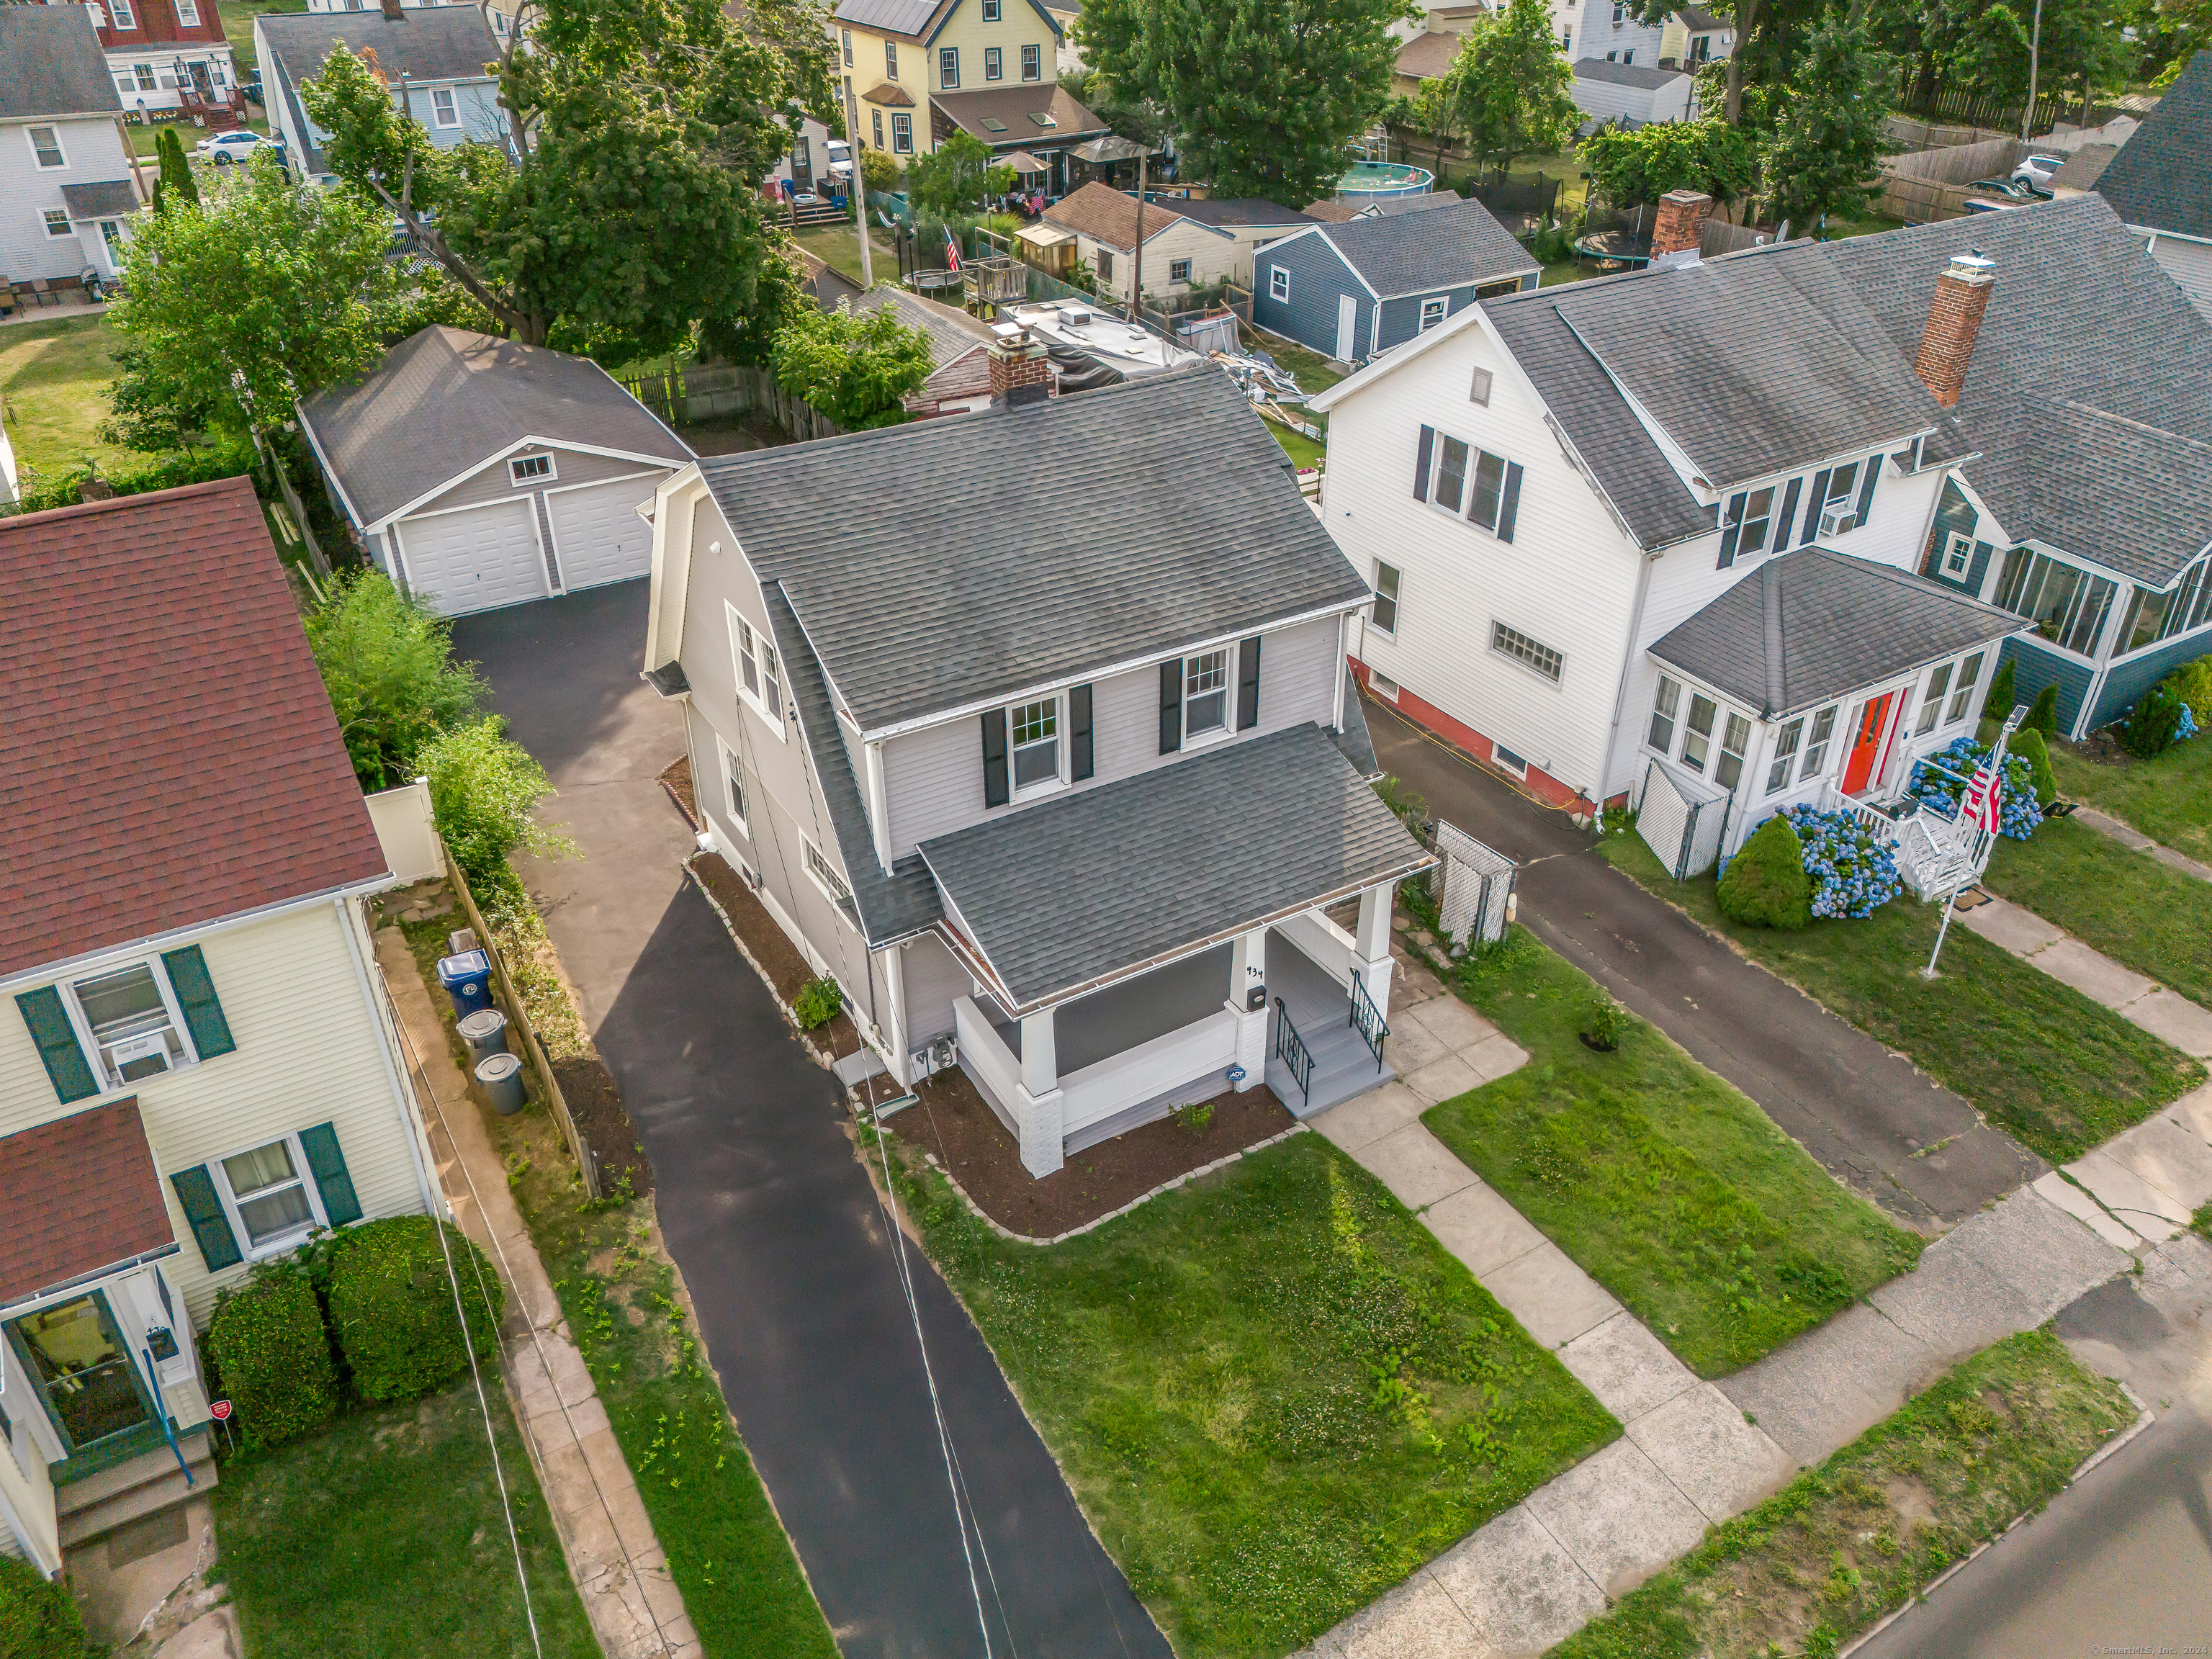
{"type": "Point", "coordinates": [1630, 248]}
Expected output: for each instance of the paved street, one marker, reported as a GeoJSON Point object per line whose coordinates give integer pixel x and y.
{"type": "Point", "coordinates": [1866, 1113]}
{"type": "Point", "coordinates": [776, 1228]}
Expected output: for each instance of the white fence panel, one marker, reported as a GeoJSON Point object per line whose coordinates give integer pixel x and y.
{"type": "Point", "coordinates": [406, 831]}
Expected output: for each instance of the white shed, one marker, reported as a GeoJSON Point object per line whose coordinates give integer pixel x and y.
{"type": "Point", "coordinates": [1640, 93]}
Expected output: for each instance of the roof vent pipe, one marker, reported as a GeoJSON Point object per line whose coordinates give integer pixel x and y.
{"type": "Point", "coordinates": [1955, 321]}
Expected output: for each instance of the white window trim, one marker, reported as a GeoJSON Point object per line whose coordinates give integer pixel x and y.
{"type": "Point", "coordinates": [282, 1241]}
{"type": "Point", "coordinates": [451, 115]}
{"type": "Point", "coordinates": [992, 10]}
{"type": "Point", "coordinates": [1279, 284]}
{"type": "Point", "coordinates": [808, 859]}
{"type": "Point", "coordinates": [1503, 758]}
{"type": "Point", "coordinates": [1397, 599]}
{"type": "Point", "coordinates": [1441, 302]}
{"type": "Point", "coordinates": [1382, 685]}
{"type": "Point", "coordinates": [31, 136]}
{"type": "Point", "coordinates": [1234, 653]}
{"type": "Point", "coordinates": [770, 716]}
{"type": "Point", "coordinates": [1529, 669]}
{"type": "Point", "coordinates": [54, 232]}
{"type": "Point", "coordinates": [514, 471]}
{"type": "Point", "coordinates": [1064, 739]}
{"type": "Point", "coordinates": [122, 14]}
{"type": "Point", "coordinates": [733, 773]}
{"type": "Point", "coordinates": [1961, 542]}
{"type": "Point", "coordinates": [188, 13]}
{"type": "Point", "coordinates": [90, 1043]}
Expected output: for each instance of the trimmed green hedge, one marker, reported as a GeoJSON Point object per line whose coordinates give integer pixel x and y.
{"type": "Point", "coordinates": [38, 1620]}
{"type": "Point", "coordinates": [1766, 885]}
{"type": "Point", "coordinates": [392, 1306]}
{"type": "Point", "coordinates": [267, 1341]}
{"type": "Point", "coordinates": [191, 466]}
{"type": "Point", "coordinates": [2029, 745]}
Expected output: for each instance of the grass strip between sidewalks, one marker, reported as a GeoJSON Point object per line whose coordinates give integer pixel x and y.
{"type": "Point", "coordinates": [1658, 1178]}
{"type": "Point", "coordinates": [1843, 1544]}
{"type": "Point", "coordinates": [1274, 1392]}
{"type": "Point", "coordinates": [2168, 797]}
{"type": "Point", "coordinates": [2036, 1057]}
{"type": "Point", "coordinates": [2142, 914]}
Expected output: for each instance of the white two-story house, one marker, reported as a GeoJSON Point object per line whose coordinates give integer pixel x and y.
{"type": "Point", "coordinates": [197, 1065]}
{"type": "Point", "coordinates": [67, 190]}
{"type": "Point", "coordinates": [1053, 769]}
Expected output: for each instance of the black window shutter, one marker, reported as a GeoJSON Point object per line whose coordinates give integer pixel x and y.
{"type": "Point", "coordinates": [996, 792]}
{"type": "Point", "coordinates": [1509, 504]}
{"type": "Point", "coordinates": [188, 977]}
{"type": "Point", "coordinates": [1866, 488]}
{"type": "Point", "coordinates": [1247, 683]}
{"type": "Point", "coordinates": [1170, 705]}
{"type": "Point", "coordinates": [66, 1066]}
{"type": "Point", "coordinates": [1421, 464]}
{"type": "Point", "coordinates": [1731, 528]}
{"type": "Point", "coordinates": [1078, 733]}
{"type": "Point", "coordinates": [328, 1164]}
{"type": "Point", "coordinates": [1813, 506]}
{"type": "Point", "coordinates": [1789, 514]}
{"type": "Point", "coordinates": [210, 1227]}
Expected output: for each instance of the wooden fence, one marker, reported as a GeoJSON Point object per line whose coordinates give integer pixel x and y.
{"type": "Point", "coordinates": [2003, 115]}
{"type": "Point", "coordinates": [532, 1050]}
{"type": "Point", "coordinates": [1928, 186]}
{"type": "Point", "coordinates": [1915, 134]}
{"type": "Point", "coordinates": [706, 391]}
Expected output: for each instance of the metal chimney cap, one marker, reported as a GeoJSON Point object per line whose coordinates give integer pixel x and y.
{"type": "Point", "coordinates": [1974, 267]}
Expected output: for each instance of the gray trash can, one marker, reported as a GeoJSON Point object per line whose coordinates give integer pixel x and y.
{"type": "Point", "coordinates": [485, 1032]}
{"type": "Point", "coordinates": [501, 1078]}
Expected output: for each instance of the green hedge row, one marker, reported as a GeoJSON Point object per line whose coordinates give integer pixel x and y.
{"type": "Point", "coordinates": [189, 466]}
{"type": "Point", "coordinates": [38, 1620]}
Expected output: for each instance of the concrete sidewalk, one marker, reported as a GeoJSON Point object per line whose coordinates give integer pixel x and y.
{"type": "Point", "coordinates": [2128, 836]}
{"type": "Point", "coordinates": [2136, 998]}
{"type": "Point", "coordinates": [613, 1554]}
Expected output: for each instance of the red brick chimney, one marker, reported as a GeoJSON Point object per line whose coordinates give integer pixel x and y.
{"type": "Point", "coordinates": [1019, 372]}
{"type": "Point", "coordinates": [1955, 321]}
{"type": "Point", "coordinates": [1682, 223]}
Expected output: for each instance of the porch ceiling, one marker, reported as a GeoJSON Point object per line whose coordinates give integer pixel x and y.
{"type": "Point", "coordinates": [1099, 883]}
{"type": "Point", "coordinates": [77, 1194]}
{"type": "Point", "coordinates": [1812, 625]}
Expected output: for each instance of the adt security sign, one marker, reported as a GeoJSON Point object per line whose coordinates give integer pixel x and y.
{"type": "Point", "coordinates": [220, 1411]}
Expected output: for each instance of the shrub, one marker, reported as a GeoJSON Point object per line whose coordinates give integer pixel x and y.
{"type": "Point", "coordinates": [2042, 713]}
{"type": "Point", "coordinates": [1609, 1020]}
{"type": "Point", "coordinates": [1766, 884]}
{"type": "Point", "coordinates": [387, 662]}
{"type": "Point", "coordinates": [39, 1617]}
{"type": "Point", "coordinates": [1194, 1115]}
{"type": "Point", "coordinates": [1939, 781]}
{"type": "Point", "coordinates": [2192, 684]}
{"type": "Point", "coordinates": [1999, 703]}
{"type": "Point", "coordinates": [1852, 874]}
{"type": "Point", "coordinates": [2028, 745]}
{"type": "Point", "coordinates": [225, 459]}
{"type": "Point", "coordinates": [484, 788]}
{"type": "Point", "coordinates": [1410, 806]}
{"type": "Point", "coordinates": [267, 1340]}
{"type": "Point", "coordinates": [877, 171]}
{"type": "Point", "coordinates": [2154, 725]}
{"type": "Point", "coordinates": [392, 1306]}
{"type": "Point", "coordinates": [817, 1002]}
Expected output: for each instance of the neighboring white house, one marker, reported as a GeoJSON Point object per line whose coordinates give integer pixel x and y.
{"type": "Point", "coordinates": [438, 54]}
{"type": "Point", "coordinates": [1636, 94]}
{"type": "Point", "coordinates": [503, 16]}
{"type": "Point", "coordinates": [67, 192]}
{"type": "Point", "coordinates": [479, 472]}
{"type": "Point", "coordinates": [2161, 181]}
{"type": "Point", "coordinates": [1043, 746]}
{"type": "Point", "coordinates": [197, 1063]}
{"type": "Point", "coordinates": [1180, 253]}
{"type": "Point", "coordinates": [1252, 222]}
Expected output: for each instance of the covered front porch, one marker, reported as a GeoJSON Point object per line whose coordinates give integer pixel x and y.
{"type": "Point", "coordinates": [1145, 943]}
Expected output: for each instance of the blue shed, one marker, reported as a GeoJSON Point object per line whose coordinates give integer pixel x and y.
{"type": "Point", "coordinates": [1351, 290]}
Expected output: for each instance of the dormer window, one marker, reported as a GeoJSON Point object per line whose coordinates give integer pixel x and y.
{"type": "Point", "coordinates": [530, 468]}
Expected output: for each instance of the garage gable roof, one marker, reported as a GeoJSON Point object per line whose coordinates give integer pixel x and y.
{"type": "Point", "coordinates": [446, 402]}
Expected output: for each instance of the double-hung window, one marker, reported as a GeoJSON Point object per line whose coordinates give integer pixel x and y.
{"type": "Point", "coordinates": [1665, 709]}
{"type": "Point", "coordinates": [890, 59]}
{"type": "Point", "coordinates": [146, 79]}
{"type": "Point", "coordinates": [733, 789]}
{"type": "Point", "coordinates": [1385, 616]}
{"type": "Point", "coordinates": [188, 13]}
{"type": "Point", "coordinates": [903, 135]}
{"type": "Point", "coordinates": [1958, 554]}
{"type": "Point", "coordinates": [121, 12]}
{"type": "Point", "coordinates": [136, 1028]}
{"type": "Point", "coordinates": [1031, 63]}
{"type": "Point", "coordinates": [268, 1194]}
{"type": "Point", "coordinates": [58, 223]}
{"type": "Point", "coordinates": [1816, 747]}
{"type": "Point", "coordinates": [876, 118]}
{"type": "Point", "coordinates": [759, 682]}
{"type": "Point", "coordinates": [1698, 732]}
{"type": "Point", "coordinates": [1455, 477]}
{"type": "Point", "coordinates": [126, 1023]}
{"type": "Point", "coordinates": [1962, 689]}
{"type": "Point", "coordinates": [1206, 693]}
{"type": "Point", "coordinates": [847, 41]}
{"type": "Point", "coordinates": [948, 68]}
{"type": "Point", "coordinates": [991, 11]}
{"type": "Point", "coordinates": [46, 147]}
{"type": "Point", "coordinates": [443, 110]}
{"type": "Point", "coordinates": [1932, 700]}
{"type": "Point", "coordinates": [1735, 738]}
{"type": "Point", "coordinates": [1434, 312]}
{"type": "Point", "coordinates": [1750, 515]}
{"type": "Point", "coordinates": [994, 63]}
{"type": "Point", "coordinates": [1279, 284]}
{"type": "Point", "coordinates": [1787, 742]}
{"type": "Point", "coordinates": [825, 876]}
{"type": "Point", "coordinates": [1033, 736]}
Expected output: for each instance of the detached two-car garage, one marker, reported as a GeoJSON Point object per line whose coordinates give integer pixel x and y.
{"type": "Point", "coordinates": [480, 473]}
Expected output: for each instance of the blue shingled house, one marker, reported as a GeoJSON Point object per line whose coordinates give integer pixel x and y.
{"type": "Point", "coordinates": [1349, 291]}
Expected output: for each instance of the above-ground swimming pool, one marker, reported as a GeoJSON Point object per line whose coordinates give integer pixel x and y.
{"type": "Point", "coordinates": [1367, 182]}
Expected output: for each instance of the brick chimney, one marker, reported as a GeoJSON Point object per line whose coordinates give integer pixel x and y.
{"type": "Point", "coordinates": [1682, 223]}
{"type": "Point", "coordinates": [1019, 372]}
{"type": "Point", "coordinates": [392, 12]}
{"type": "Point", "coordinates": [1955, 321]}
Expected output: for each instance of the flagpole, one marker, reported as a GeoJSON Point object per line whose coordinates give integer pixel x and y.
{"type": "Point", "coordinates": [1987, 831]}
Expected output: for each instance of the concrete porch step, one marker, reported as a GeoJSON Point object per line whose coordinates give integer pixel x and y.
{"type": "Point", "coordinates": [131, 1489]}
{"type": "Point", "coordinates": [1332, 1087]}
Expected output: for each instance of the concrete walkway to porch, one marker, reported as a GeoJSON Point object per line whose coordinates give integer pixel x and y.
{"type": "Point", "coordinates": [2133, 997]}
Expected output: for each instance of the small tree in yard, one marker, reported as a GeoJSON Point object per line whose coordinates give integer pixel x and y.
{"type": "Point", "coordinates": [958, 178]}
{"type": "Point", "coordinates": [854, 369]}
{"type": "Point", "coordinates": [1636, 168]}
{"type": "Point", "coordinates": [387, 662]}
{"type": "Point", "coordinates": [1827, 142]}
{"type": "Point", "coordinates": [2042, 713]}
{"type": "Point", "coordinates": [484, 788]}
{"type": "Point", "coordinates": [176, 183]}
{"type": "Point", "coordinates": [1511, 88]}
{"type": "Point", "coordinates": [1766, 885]}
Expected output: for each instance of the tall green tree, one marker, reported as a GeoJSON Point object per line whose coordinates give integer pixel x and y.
{"type": "Point", "coordinates": [1511, 89]}
{"type": "Point", "coordinates": [622, 212]}
{"type": "Point", "coordinates": [1823, 157]}
{"type": "Point", "coordinates": [175, 182]}
{"type": "Point", "coordinates": [259, 296]}
{"type": "Point", "coordinates": [1265, 93]}
{"type": "Point", "coordinates": [957, 177]}
{"type": "Point", "coordinates": [1636, 168]}
{"type": "Point", "coordinates": [387, 662]}
{"type": "Point", "coordinates": [854, 369]}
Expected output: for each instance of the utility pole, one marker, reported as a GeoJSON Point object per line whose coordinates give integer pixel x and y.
{"type": "Point", "coordinates": [1137, 264]}
{"type": "Point", "coordinates": [2034, 65]}
{"type": "Point", "coordinates": [860, 187]}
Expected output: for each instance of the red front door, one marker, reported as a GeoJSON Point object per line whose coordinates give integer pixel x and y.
{"type": "Point", "coordinates": [1867, 745]}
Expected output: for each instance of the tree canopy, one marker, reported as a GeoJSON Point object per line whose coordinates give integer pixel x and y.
{"type": "Point", "coordinates": [957, 177]}
{"type": "Point", "coordinates": [1510, 90]}
{"type": "Point", "coordinates": [1636, 168]}
{"type": "Point", "coordinates": [853, 368]}
{"type": "Point", "coordinates": [1827, 139]}
{"type": "Point", "coordinates": [175, 182]}
{"type": "Point", "coordinates": [1265, 93]}
{"type": "Point", "coordinates": [387, 662]}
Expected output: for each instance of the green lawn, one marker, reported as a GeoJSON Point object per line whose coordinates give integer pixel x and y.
{"type": "Point", "coordinates": [238, 17]}
{"type": "Point", "coordinates": [729, 1554]}
{"type": "Point", "coordinates": [1303, 452]}
{"type": "Point", "coordinates": [51, 376]}
{"type": "Point", "coordinates": [2168, 798]}
{"type": "Point", "coordinates": [840, 245]}
{"type": "Point", "coordinates": [1665, 1184]}
{"type": "Point", "coordinates": [1845, 1544]}
{"type": "Point", "coordinates": [2052, 1067]}
{"type": "Point", "coordinates": [1274, 1393]}
{"type": "Point", "coordinates": [383, 1535]}
{"type": "Point", "coordinates": [2125, 903]}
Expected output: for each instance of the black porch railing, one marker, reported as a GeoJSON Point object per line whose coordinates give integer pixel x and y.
{"type": "Point", "coordinates": [1367, 1020]}
{"type": "Point", "coordinates": [1290, 1049]}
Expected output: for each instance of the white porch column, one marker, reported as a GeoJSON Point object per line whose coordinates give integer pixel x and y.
{"type": "Point", "coordinates": [1370, 945]}
{"type": "Point", "coordinates": [1039, 1107]}
{"type": "Point", "coordinates": [1248, 972]}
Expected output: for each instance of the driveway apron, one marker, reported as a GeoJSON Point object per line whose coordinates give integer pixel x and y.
{"type": "Point", "coordinates": [786, 1252]}
{"type": "Point", "coordinates": [1869, 1116]}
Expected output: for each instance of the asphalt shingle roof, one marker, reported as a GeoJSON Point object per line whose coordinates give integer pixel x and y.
{"type": "Point", "coordinates": [1425, 55]}
{"type": "Point", "coordinates": [433, 43]}
{"type": "Point", "coordinates": [51, 64]}
{"type": "Point", "coordinates": [1227, 211]}
{"type": "Point", "coordinates": [445, 399]}
{"type": "Point", "coordinates": [111, 199]}
{"type": "Point", "coordinates": [1016, 109]}
{"type": "Point", "coordinates": [1428, 202]}
{"type": "Point", "coordinates": [1644, 77]}
{"type": "Point", "coordinates": [952, 334]}
{"type": "Point", "coordinates": [152, 638]}
{"type": "Point", "coordinates": [1015, 546]}
{"type": "Point", "coordinates": [1098, 884]}
{"type": "Point", "coordinates": [1107, 215]}
{"type": "Point", "coordinates": [1455, 247]}
{"type": "Point", "coordinates": [2162, 177]}
{"type": "Point", "coordinates": [1812, 625]}
{"type": "Point", "coordinates": [77, 1194]}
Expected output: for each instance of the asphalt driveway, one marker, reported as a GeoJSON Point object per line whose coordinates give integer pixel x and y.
{"type": "Point", "coordinates": [786, 1250]}
{"type": "Point", "coordinates": [1868, 1115]}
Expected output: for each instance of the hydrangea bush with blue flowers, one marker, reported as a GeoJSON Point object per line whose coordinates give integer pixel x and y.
{"type": "Point", "coordinates": [1939, 793]}
{"type": "Point", "coordinates": [2188, 728]}
{"type": "Point", "coordinates": [1853, 874]}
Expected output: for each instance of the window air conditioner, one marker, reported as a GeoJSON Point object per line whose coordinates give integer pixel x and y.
{"type": "Point", "coordinates": [1835, 521]}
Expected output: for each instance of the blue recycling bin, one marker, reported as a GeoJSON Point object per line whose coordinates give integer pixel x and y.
{"type": "Point", "coordinates": [467, 979]}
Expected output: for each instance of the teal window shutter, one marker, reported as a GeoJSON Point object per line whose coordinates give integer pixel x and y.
{"type": "Point", "coordinates": [51, 1030]}
{"type": "Point", "coordinates": [188, 978]}
{"type": "Point", "coordinates": [340, 1203]}
{"type": "Point", "coordinates": [210, 1227]}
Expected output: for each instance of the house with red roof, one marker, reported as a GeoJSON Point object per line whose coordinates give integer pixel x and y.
{"type": "Point", "coordinates": [197, 1067]}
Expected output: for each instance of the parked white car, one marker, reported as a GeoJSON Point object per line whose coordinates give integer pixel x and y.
{"type": "Point", "coordinates": [223, 148]}
{"type": "Point", "coordinates": [2038, 169]}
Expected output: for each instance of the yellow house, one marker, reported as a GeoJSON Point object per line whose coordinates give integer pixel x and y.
{"type": "Point", "coordinates": [916, 71]}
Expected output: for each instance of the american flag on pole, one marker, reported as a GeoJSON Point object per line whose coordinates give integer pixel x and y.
{"type": "Point", "coordinates": [951, 250]}
{"type": "Point", "coordinates": [1983, 804]}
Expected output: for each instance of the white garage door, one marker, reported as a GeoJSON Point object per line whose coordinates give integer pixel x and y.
{"type": "Point", "coordinates": [458, 562]}
{"type": "Point", "coordinates": [597, 534]}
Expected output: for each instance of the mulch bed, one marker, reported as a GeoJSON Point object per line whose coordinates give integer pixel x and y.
{"type": "Point", "coordinates": [676, 781]}
{"type": "Point", "coordinates": [787, 971]}
{"type": "Point", "coordinates": [953, 1121]}
{"type": "Point", "coordinates": [604, 1121]}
